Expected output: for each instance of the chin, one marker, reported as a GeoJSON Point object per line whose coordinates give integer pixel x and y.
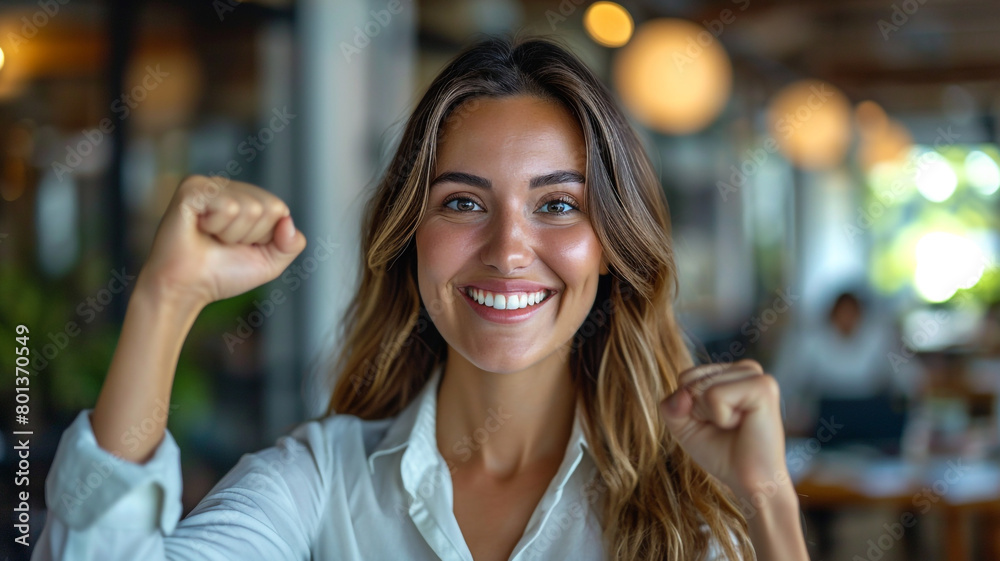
{"type": "Point", "coordinates": [499, 362]}
{"type": "Point", "coordinates": [500, 365]}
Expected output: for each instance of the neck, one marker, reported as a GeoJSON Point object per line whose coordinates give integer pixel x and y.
{"type": "Point", "coordinates": [504, 424]}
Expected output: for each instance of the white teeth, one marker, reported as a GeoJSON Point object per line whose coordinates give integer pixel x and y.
{"type": "Point", "coordinates": [507, 301]}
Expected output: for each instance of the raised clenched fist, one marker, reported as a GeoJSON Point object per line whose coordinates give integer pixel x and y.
{"type": "Point", "coordinates": [219, 238]}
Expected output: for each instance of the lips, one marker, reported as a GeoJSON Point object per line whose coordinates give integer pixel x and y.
{"type": "Point", "coordinates": [506, 302]}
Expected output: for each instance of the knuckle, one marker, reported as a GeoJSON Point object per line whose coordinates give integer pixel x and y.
{"type": "Point", "coordinates": [720, 411]}
{"type": "Point", "coordinates": [707, 399]}
{"type": "Point", "coordinates": [276, 207]}
{"type": "Point", "coordinates": [190, 183]}
{"type": "Point", "coordinates": [199, 187]}
{"type": "Point", "coordinates": [770, 386]}
{"type": "Point", "coordinates": [750, 364]}
{"type": "Point", "coordinates": [254, 209]}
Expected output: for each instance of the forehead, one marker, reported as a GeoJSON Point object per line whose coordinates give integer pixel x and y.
{"type": "Point", "coordinates": [516, 132]}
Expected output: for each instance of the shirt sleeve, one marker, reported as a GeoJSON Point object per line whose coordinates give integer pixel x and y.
{"type": "Point", "coordinates": [715, 551]}
{"type": "Point", "coordinates": [102, 507]}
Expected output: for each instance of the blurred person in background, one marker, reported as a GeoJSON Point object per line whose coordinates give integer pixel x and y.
{"type": "Point", "coordinates": [836, 384]}
{"type": "Point", "coordinates": [843, 357]}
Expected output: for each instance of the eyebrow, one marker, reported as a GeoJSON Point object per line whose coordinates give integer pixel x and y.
{"type": "Point", "coordinates": [553, 178]}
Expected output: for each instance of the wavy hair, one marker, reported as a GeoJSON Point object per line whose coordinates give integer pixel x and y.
{"type": "Point", "coordinates": [625, 358]}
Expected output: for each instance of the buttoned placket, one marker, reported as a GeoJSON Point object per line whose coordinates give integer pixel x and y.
{"type": "Point", "coordinates": [427, 480]}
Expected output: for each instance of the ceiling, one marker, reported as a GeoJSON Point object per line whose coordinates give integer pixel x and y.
{"type": "Point", "coordinates": [907, 55]}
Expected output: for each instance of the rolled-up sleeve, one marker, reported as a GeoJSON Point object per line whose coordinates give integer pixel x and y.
{"type": "Point", "coordinates": [102, 507]}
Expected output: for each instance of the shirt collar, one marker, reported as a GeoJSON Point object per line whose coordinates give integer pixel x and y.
{"type": "Point", "coordinates": [403, 428]}
{"type": "Point", "coordinates": [417, 425]}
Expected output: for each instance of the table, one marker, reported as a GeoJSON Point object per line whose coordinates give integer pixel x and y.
{"type": "Point", "coordinates": [842, 484]}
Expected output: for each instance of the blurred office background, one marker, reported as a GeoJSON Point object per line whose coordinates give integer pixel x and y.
{"type": "Point", "coordinates": [832, 170]}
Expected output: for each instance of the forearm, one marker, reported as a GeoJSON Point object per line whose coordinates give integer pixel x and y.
{"type": "Point", "coordinates": [775, 526]}
{"type": "Point", "coordinates": [131, 412]}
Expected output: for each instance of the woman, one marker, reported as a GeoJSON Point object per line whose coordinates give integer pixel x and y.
{"type": "Point", "coordinates": [511, 385]}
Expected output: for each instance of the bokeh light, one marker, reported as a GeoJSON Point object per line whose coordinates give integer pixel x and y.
{"type": "Point", "coordinates": [811, 122]}
{"type": "Point", "coordinates": [982, 172]}
{"type": "Point", "coordinates": [608, 24]}
{"type": "Point", "coordinates": [934, 178]}
{"type": "Point", "coordinates": [946, 262]}
{"type": "Point", "coordinates": [674, 76]}
{"type": "Point", "coordinates": [881, 139]}
{"type": "Point", "coordinates": [871, 118]}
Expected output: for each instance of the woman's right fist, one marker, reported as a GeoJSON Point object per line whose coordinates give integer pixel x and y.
{"type": "Point", "coordinates": [219, 238]}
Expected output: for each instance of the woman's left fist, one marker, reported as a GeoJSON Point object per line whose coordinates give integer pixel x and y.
{"type": "Point", "coordinates": [727, 417]}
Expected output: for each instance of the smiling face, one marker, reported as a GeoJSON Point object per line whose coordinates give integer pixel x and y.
{"type": "Point", "coordinates": [506, 227]}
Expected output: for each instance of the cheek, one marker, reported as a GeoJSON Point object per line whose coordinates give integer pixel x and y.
{"type": "Point", "coordinates": [575, 251]}
{"type": "Point", "coordinates": [438, 256]}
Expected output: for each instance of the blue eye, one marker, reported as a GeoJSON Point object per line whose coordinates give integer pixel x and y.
{"type": "Point", "coordinates": [463, 204]}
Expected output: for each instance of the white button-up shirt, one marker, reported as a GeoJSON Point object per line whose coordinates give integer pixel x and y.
{"type": "Point", "coordinates": [339, 488]}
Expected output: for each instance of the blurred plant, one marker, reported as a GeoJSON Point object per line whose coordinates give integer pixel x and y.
{"type": "Point", "coordinates": [933, 224]}
{"type": "Point", "coordinates": [71, 355]}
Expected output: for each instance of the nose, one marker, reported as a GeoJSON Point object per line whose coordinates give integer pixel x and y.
{"type": "Point", "coordinates": [507, 247]}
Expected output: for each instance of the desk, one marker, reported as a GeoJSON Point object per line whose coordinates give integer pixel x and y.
{"type": "Point", "coordinates": [960, 497]}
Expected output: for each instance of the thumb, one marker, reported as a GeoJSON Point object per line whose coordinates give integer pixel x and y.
{"type": "Point", "coordinates": [676, 410]}
{"type": "Point", "coordinates": [287, 241]}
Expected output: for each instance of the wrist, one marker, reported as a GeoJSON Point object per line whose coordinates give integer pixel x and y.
{"type": "Point", "coordinates": [778, 484]}
{"type": "Point", "coordinates": [774, 520]}
{"type": "Point", "coordinates": [775, 494]}
{"type": "Point", "coordinates": [154, 294]}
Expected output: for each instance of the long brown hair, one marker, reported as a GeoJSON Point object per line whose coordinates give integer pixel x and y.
{"type": "Point", "coordinates": [625, 358]}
